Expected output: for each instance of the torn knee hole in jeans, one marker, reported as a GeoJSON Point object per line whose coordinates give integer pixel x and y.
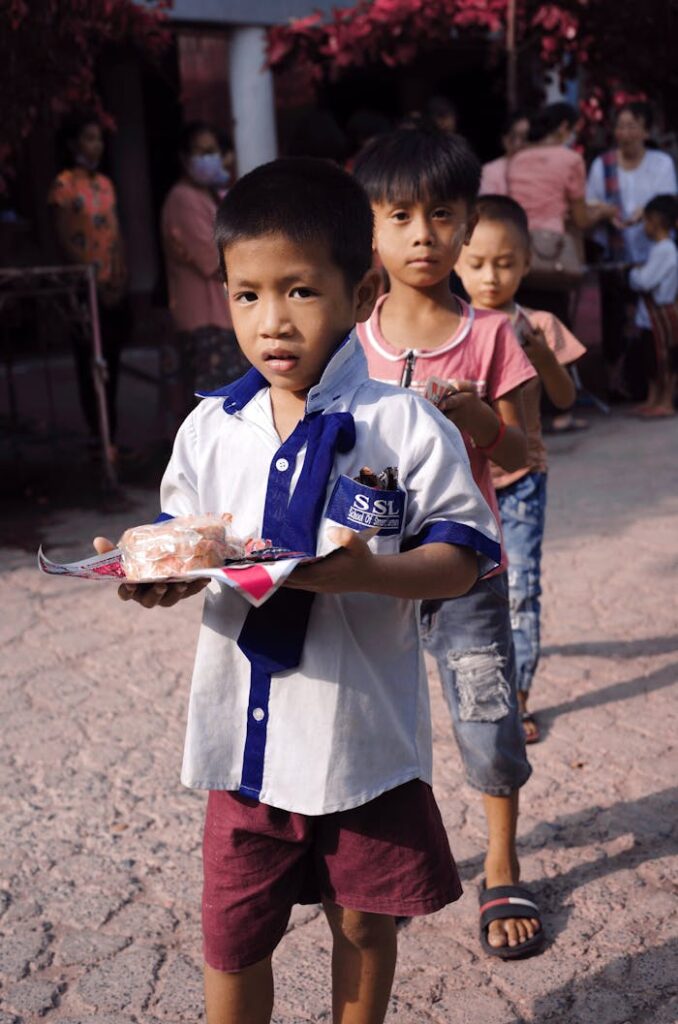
{"type": "Point", "coordinates": [482, 687]}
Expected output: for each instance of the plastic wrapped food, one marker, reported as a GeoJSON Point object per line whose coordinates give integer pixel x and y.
{"type": "Point", "coordinates": [177, 546]}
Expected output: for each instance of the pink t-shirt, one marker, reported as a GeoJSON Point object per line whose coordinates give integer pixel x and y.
{"type": "Point", "coordinates": [493, 181]}
{"type": "Point", "coordinates": [545, 180]}
{"type": "Point", "coordinates": [196, 291]}
{"type": "Point", "coordinates": [484, 350]}
{"type": "Point", "coordinates": [566, 349]}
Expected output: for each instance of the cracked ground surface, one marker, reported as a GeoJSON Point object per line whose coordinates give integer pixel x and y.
{"type": "Point", "coordinates": [100, 861]}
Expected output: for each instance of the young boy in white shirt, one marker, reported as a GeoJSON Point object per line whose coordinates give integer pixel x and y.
{"type": "Point", "coordinates": [657, 312]}
{"type": "Point", "coordinates": [309, 719]}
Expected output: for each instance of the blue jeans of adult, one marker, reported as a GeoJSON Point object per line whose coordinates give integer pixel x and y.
{"type": "Point", "coordinates": [522, 506]}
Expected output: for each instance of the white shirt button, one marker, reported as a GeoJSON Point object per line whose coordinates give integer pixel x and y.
{"type": "Point", "coordinates": [258, 714]}
{"type": "Point", "coordinates": [282, 465]}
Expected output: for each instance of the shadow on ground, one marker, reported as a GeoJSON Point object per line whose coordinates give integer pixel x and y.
{"type": "Point", "coordinates": [641, 988]}
{"type": "Point", "coordinates": [644, 648]}
{"type": "Point", "coordinates": [646, 683]}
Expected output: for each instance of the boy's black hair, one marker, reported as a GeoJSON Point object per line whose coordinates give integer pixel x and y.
{"type": "Point", "coordinates": [548, 119]}
{"type": "Point", "coordinates": [415, 164]}
{"type": "Point", "coordinates": [306, 200]}
{"type": "Point", "coordinates": [641, 110]}
{"type": "Point", "coordinates": [507, 211]}
{"type": "Point", "coordinates": [666, 208]}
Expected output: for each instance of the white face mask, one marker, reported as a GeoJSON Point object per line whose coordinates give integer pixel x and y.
{"type": "Point", "coordinates": [89, 165]}
{"type": "Point", "coordinates": [208, 170]}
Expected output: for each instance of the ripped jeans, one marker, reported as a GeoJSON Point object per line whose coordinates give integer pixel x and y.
{"type": "Point", "coordinates": [522, 507]}
{"type": "Point", "coordinates": [470, 638]}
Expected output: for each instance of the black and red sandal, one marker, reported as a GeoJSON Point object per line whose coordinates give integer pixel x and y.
{"type": "Point", "coordinates": [504, 901]}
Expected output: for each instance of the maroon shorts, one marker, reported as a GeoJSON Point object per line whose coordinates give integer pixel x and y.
{"type": "Point", "coordinates": [390, 856]}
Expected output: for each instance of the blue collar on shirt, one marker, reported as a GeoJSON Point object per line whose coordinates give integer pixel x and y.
{"type": "Point", "coordinates": [346, 368]}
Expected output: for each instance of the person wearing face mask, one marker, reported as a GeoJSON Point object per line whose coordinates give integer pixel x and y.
{"type": "Point", "coordinates": [204, 354]}
{"type": "Point", "coordinates": [83, 203]}
{"type": "Point", "coordinates": [627, 177]}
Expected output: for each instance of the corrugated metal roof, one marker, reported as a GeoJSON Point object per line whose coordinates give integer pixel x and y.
{"type": "Point", "coordinates": [247, 12]}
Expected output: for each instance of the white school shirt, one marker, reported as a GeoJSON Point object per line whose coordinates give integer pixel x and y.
{"type": "Point", "coordinates": [659, 276]}
{"type": "Point", "coordinates": [353, 719]}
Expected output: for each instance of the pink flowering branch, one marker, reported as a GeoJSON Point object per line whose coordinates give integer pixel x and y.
{"type": "Point", "coordinates": [48, 55]}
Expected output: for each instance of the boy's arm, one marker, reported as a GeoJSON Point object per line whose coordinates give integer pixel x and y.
{"type": "Point", "coordinates": [557, 382]}
{"type": "Point", "coordinates": [498, 429]}
{"type": "Point", "coordinates": [429, 571]}
{"type": "Point", "coordinates": [449, 536]}
{"type": "Point", "coordinates": [647, 276]}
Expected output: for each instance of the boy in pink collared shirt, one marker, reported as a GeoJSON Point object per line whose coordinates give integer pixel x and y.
{"type": "Point", "coordinates": [423, 188]}
{"type": "Point", "coordinates": [492, 268]}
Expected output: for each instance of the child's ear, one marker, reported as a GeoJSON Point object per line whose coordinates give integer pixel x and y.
{"type": "Point", "coordinates": [528, 263]}
{"type": "Point", "coordinates": [366, 294]}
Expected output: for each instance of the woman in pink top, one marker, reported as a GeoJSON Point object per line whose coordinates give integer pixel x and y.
{"type": "Point", "coordinates": [206, 353]}
{"type": "Point", "coordinates": [549, 181]}
{"type": "Point", "coordinates": [514, 137]}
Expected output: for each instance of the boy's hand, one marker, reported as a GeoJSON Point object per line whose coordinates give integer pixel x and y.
{"type": "Point", "coordinates": [348, 569]}
{"type": "Point", "coordinates": [536, 348]}
{"type": "Point", "coordinates": [151, 594]}
{"type": "Point", "coordinates": [464, 407]}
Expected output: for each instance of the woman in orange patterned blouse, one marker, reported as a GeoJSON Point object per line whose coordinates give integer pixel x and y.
{"type": "Point", "coordinates": [86, 221]}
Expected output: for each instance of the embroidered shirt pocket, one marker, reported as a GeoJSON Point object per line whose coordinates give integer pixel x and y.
{"type": "Point", "coordinates": [363, 508]}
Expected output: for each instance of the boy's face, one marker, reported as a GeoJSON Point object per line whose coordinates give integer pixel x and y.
{"type": "Point", "coordinates": [419, 243]}
{"type": "Point", "coordinates": [291, 306]}
{"type": "Point", "coordinates": [493, 264]}
{"type": "Point", "coordinates": [653, 225]}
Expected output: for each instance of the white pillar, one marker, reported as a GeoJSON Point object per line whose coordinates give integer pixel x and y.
{"type": "Point", "coordinates": [252, 99]}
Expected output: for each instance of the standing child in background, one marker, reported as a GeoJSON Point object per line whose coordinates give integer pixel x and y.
{"type": "Point", "coordinates": [492, 268]}
{"type": "Point", "coordinates": [423, 186]}
{"type": "Point", "coordinates": [657, 313]}
{"type": "Point", "coordinates": [309, 719]}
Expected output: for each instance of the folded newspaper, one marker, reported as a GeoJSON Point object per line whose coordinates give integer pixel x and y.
{"type": "Point", "coordinates": [188, 548]}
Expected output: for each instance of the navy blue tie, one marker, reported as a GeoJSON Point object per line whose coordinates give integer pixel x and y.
{"type": "Point", "coordinates": [272, 637]}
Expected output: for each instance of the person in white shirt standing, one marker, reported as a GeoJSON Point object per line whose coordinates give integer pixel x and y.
{"type": "Point", "coordinates": [628, 177]}
{"type": "Point", "coordinates": [309, 719]}
{"type": "Point", "coordinates": [657, 314]}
